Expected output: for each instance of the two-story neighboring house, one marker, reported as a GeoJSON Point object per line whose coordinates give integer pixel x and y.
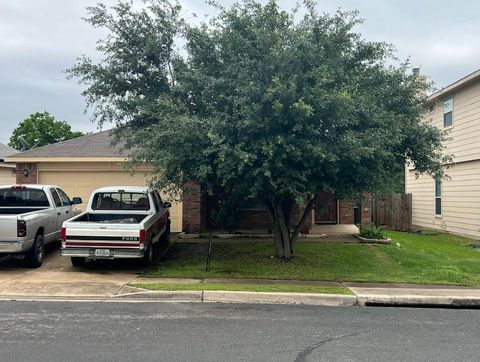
{"type": "Point", "coordinates": [453, 203]}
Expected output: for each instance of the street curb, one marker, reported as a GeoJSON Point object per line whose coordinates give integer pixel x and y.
{"type": "Point", "coordinates": [419, 301]}
{"type": "Point", "coordinates": [246, 297]}
{"type": "Point", "coordinates": [177, 296]}
{"type": "Point", "coordinates": [279, 298]}
{"type": "Point", "coordinates": [333, 300]}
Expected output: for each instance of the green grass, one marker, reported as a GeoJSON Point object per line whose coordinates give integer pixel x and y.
{"type": "Point", "coordinates": [411, 258]}
{"type": "Point", "coordinates": [248, 288]}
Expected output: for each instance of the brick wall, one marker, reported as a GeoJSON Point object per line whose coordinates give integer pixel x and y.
{"type": "Point", "coordinates": [346, 211]}
{"type": "Point", "coordinates": [194, 210]}
{"type": "Point", "coordinates": [31, 169]}
{"type": "Point", "coordinates": [297, 213]}
{"type": "Point", "coordinates": [366, 211]}
{"type": "Point", "coordinates": [260, 219]}
{"type": "Point", "coordinates": [254, 219]}
{"type": "Point", "coordinates": [195, 213]}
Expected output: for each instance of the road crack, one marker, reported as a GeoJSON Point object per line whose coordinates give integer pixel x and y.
{"type": "Point", "coordinates": [302, 355]}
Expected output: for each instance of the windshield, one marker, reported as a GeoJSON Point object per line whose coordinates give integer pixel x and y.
{"type": "Point", "coordinates": [11, 197]}
{"type": "Point", "coordinates": [120, 201]}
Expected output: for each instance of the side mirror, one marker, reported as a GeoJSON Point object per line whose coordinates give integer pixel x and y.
{"type": "Point", "coordinates": [77, 201]}
{"type": "Point", "coordinates": [167, 204]}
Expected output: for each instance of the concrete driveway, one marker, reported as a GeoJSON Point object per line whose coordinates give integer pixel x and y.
{"type": "Point", "coordinates": [58, 278]}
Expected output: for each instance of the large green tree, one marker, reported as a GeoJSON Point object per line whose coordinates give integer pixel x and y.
{"type": "Point", "coordinates": [268, 104]}
{"type": "Point", "coordinates": [40, 129]}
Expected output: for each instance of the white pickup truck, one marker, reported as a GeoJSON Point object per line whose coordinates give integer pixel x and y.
{"type": "Point", "coordinates": [32, 216]}
{"type": "Point", "coordinates": [119, 222]}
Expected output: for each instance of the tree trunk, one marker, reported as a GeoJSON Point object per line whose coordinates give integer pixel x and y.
{"type": "Point", "coordinates": [284, 237]}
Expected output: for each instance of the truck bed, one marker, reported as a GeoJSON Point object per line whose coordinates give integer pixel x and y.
{"type": "Point", "coordinates": [19, 210]}
{"type": "Point", "coordinates": [111, 218]}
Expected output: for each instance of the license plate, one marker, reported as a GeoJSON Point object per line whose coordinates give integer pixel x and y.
{"type": "Point", "coordinates": [101, 252]}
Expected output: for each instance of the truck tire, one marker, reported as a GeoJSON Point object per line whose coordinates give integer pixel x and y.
{"type": "Point", "coordinates": [165, 238]}
{"type": "Point", "coordinates": [149, 256]}
{"type": "Point", "coordinates": [34, 257]}
{"type": "Point", "coordinates": [161, 246]}
{"type": "Point", "coordinates": [77, 260]}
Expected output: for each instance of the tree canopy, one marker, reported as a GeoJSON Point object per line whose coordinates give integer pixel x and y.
{"type": "Point", "coordinates": [40, 129]}
{"type": "Point", "coordinates": [266, 103]}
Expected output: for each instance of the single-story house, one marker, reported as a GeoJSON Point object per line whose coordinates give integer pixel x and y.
{"type": "Point", "coordinates": [7, 169]}
{"type": "Point", "coordinates": [85, 163]}
{"type": "Point", "coordinates": [452, 204]}
{"type": "Point", "coordinates": [81, 165]}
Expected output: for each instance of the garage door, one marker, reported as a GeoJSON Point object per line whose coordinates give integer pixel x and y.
{"type": "Point", "coordinates": [82, 183]}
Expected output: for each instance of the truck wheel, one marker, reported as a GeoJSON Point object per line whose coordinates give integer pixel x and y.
{"type": "Point", "coordinates": [162, 245]}
{"type": "Point", "coordinates": [165, 239]}
{"type": "Point", "coordinates": [78, 260]}
{"type": "Point", "coordinates": [34, 257]}
{"type": "Point", "coordinates": [148, 257]}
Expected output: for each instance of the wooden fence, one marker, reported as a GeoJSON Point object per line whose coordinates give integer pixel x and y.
{"type": "Point", "coordinates": [393, 211]}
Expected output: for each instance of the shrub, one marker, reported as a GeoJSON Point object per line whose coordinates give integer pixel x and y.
{"type": "Point", "coordinates": [372, 232]}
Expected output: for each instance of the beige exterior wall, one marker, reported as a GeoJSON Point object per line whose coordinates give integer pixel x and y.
{"type": "Point", "coordinates": [81, 178]}
{"type": "Point", "coordinates": [460, 200]}
{"type": "Point", "coordinates": [461, 189]}
{"type": "Point", "coordinates": [465, 131]}
{"type": "Point", "coordinates": [7, 176]}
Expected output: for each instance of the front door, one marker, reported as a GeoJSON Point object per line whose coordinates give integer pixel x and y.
{"type": "Point", "coordinates": [326, 208]}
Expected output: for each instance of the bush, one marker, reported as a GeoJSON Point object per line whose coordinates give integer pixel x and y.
{"type": "Point", "coordinates": [372, 232]}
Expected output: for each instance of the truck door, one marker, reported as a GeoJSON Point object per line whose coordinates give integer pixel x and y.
{"type": "Point", "coordinates": [61, 210]}
{"type": "Point", "coordinates": [67, 204]}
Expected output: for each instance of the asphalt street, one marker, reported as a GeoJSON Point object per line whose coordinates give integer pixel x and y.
{"type": "Point", "coordinates": [82, 331]}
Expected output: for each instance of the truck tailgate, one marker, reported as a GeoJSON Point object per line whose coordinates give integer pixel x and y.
{"type": "Point", "coordinates": [8, 228]}
{"type": "Point", "coordinates": [94, 235]}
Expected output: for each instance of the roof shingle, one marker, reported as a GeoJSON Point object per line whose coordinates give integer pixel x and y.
{"type": "Point", "coordinates": [6, 151]}
{"type": "Point", "coordinates": [91, 145]}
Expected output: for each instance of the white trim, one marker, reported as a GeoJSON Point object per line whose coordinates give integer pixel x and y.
{"type": "Point", "coordinates": [455, 85]}
{"type": "Point", "coordinates": [7, 165]}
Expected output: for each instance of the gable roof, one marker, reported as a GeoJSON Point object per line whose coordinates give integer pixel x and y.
{"type": "Point", "coordinates": [6, 151]}
{"type": "Point", "coordinates": [89, 146]}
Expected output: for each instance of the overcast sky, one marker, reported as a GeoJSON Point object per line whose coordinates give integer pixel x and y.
{"type": "Point", "coordinates": [39, 39]}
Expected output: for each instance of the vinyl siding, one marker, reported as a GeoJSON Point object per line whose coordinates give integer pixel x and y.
{"type": "Point", "coordinates": [460, 200]}
{"type": "Point", "coordinates": [465, 132]}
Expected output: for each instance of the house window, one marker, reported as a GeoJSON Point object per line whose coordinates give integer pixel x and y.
{"type": "Point", "coordinates": [438, 196]}
{"type": "Point", "coordinates": [448, 112]}
{"type": "Point", "coordinates": [431, 108]}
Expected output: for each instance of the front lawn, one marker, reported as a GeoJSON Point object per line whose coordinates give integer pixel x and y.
{"type": "Point", "coordinates": [411, 258]}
